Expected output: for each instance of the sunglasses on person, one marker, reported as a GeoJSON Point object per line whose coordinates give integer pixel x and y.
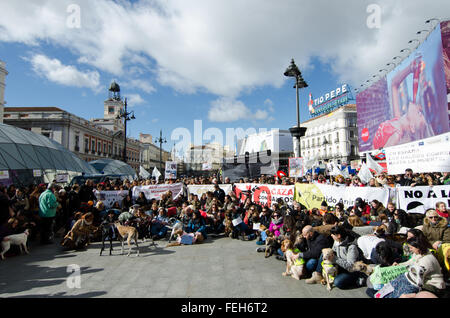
{"type": "Point", "coordinates": [434, 217]}
{"type": "Point", "coordinates": [275, 215]}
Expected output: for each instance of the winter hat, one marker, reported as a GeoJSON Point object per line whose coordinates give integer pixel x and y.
{"type": "Point", "coordinates": [359, 202]}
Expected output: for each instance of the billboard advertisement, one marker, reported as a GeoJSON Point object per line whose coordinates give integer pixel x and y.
{"type": "Point", "coordinates": [445, 32]}
{"type": "Point", "coordinates": [409, 104]}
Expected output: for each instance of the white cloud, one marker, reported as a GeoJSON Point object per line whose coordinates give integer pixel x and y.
{"type": "Point", "coordinates": [143, 85]}
{"type": "Point", "coordinates": [222, 47]}
{"type": "Point", "coordinates": [227, 110]}
{"type": "Point", "coordinates": [134, 100]}
{"type": "Point", "coordinates": [67, 75]}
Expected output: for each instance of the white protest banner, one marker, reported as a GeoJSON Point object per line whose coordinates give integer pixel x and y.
{"type": "Point", "coordinates": [256, 226]}
{"type": "Point", "coordinates": [199, 189]}
{"type": "Point", "coordinates": [429, 155]}
{"type": "Point", "coordinates": [4, 174]}
{"type": "Point", "coordinates": [312, 195]}
{"type": "Point", "coordinates": [296, 168]}
{"type": "Point", "coordinates": [37, 173]}
{"type": "Point", "coordinates": [419, 199]}
{"type": "Point", "coordinates": [364, 174]}
{"type": "Point", "coordinates": [109, 197]}
{"type": "Point", "coordinates": [154, 191]}
{"type": "Point", "coordinates": [206, 166]}
{"type": "Point", "coordinates": [171, 170]}
{"type": "Point", "coordinates": [265, 194]}
{"type": "Point", "coordinates": [61, 178]}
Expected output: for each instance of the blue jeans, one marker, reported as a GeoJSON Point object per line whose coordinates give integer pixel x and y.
{"type": "Point", "coordinates": [344, 279]}
{"type": "Point", "coordinates": [311, 264]}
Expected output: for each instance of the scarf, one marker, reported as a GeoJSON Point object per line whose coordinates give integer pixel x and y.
{"type": "Point", "coordinates": [277, 222]}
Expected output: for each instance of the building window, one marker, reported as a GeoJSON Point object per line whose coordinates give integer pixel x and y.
{"type": "Point", "coordinates": [77, 143]}
{"type": "Point", "coordinates": [86, 145]}
{"type": "Point", "coordinates": [352, 134]}
{"type": "Point", "coordinates": [111, 110]}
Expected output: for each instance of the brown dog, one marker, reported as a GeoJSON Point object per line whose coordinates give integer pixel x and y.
{"type": "Point", "coordinates": [360, 266]}
{"type": "Point", "coordinates": [129, 233]}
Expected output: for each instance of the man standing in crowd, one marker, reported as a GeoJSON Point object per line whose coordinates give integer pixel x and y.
{"type": "Point", "coordinates": [86, 191]}
{"type": "Point", "coordinates": [219, 193]}
{"type": "Point", "coordinates": [47, 212]}
{"type": "Point", "coordinates": [407, 180]}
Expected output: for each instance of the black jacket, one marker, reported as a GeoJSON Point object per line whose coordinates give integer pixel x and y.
{"type": "Point", "coordinates": [220, 195]}
{"type": "Point", "coordinates": [86, 194]}
{"type": "Point", "coordinates": [312, 248]}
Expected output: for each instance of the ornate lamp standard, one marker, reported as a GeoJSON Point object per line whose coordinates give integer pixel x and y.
{"type": "Point", "coordinates": [161, 140]}
{"type": "Point", "coordinates": [126, 117]}
{"type": "Point", "coordinates": [293, 71]}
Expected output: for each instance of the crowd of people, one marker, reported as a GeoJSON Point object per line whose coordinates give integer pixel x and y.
{"type": "Point", "coordinates": [368, 233]}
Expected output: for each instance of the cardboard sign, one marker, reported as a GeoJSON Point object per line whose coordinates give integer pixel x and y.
{"type": "Point", "coordinates": [237, 221]}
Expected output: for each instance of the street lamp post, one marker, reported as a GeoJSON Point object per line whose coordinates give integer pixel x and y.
{"type": "Point", "coordinates": [161, 140]}
{"type": "Point", "coordinates": [293, 71]}
{"type": "Point", "coordinates": [126, 117]}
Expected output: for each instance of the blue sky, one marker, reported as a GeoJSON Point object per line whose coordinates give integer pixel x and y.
{"type": "Point", "coordinates": [221, 62]}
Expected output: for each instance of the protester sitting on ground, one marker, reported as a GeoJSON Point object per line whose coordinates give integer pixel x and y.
{"type": "Point", "coordinates": [311, 247]}
{"type": "Point", "coordinates": [127, 203]}
{"type": "Point", "coordinates": [432, 280]}
{"type": "Point", "coordinates": [215, 219]}
{"type": "Point", "coordinates": [376, 208]}
{"type": "Point", "coordinates": [276, 224]}
{"type": "Point", "coordinates": [347, 254]}
{"type": "Point", "coordinates": [361, 209]}
{"type": "Point", "coordinates": [159, 225]}
{"type": "Point", "coordinates": [142, 200]}
{"type": "Point", "coordinates": [323, 208]}
{"type": "Point", "coordinates": [435, 228]}
{"type": "Point", "coordinates": [441, 209]}
{"type": "Point", "coordinates": [315, 218]}
{"type": "Point", "coordinates": [228, 203]}
{"type": "Point", "coordinates": [197, 226]}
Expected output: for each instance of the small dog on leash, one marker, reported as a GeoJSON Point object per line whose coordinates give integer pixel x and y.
{"type": "Point", "coordinates": [329, 269]}
{"type": "Point", "coordinates": [15, 239]}
{"type": "Point", "coordinates": [129, 233]}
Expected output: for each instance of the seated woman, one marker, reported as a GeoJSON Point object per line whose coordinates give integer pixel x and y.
{"type": "Point", "coordinates": [376, 208]}
{"type": "Point", "coordinates": [127, 203]}
{"type": "Point", "coordinates": [433, 280]}
{"type": "Point", "coordinates": [142, 200]}
{"type": "Point", "coordinates": [441, 209]}
{"type": "Point", "coordinates": [276, 224]}
{"type": "Point", "coordinates": [79, 235]}
{"type": "Point", "coordinates": [215, 219]}
{"type": "Point", "coordinates": [315, 218]}
{"type": "Point", "coordinates": [159, 225]}
{"type": "Point", "coordinates": [435, 228]}
{"type": "Point", "coordinates": [197, 226]}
